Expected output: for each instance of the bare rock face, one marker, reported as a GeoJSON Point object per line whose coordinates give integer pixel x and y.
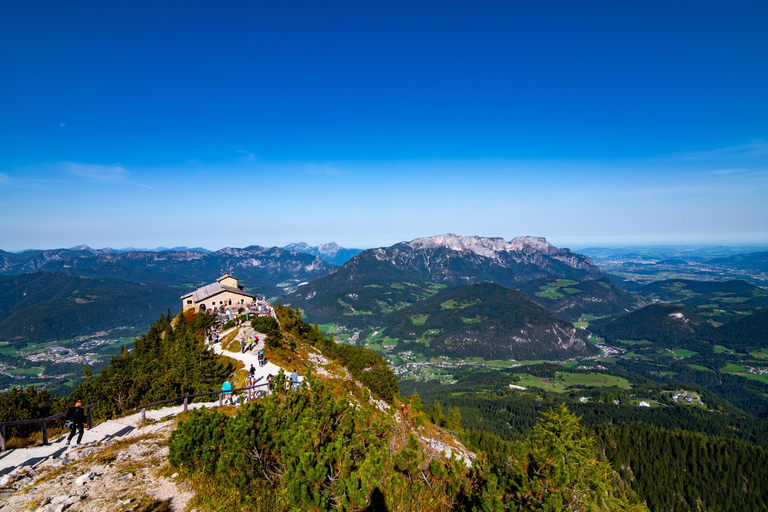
{"type": "Point", "coordinates": [114, 476]}
{"type": "Point", "coordinates": [454, 260]}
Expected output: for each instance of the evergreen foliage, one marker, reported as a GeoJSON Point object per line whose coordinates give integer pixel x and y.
{"type": "Point", "coordinates": [366, 366]}
{"type": "Point", "coordinates": [170, 360]}
{"type": "Point", "coordinates": [26, 404]}
{"type": "Point", "coordinates": [309, 450]}
{"type": "Point", "coordinates": [685, 471]}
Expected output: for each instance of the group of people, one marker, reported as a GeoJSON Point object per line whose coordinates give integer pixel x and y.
{"type": "Point", "coordinates": [252, 392]}
{"type": "Point", "coordinates": [213, 335]}
{"type": "Point", "coordinates": [248, 345]}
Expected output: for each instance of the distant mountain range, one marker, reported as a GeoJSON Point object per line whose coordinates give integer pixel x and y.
{"type": "Point", "coordinates": [264, 271]}
{"type": "Point", "coordinates": [378, 281]}
{"type": "Point", "coordinates": [373, 291]}
{"type": "Point", "coordinates": [332, 253]}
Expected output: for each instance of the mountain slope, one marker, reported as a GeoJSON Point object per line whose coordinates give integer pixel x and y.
{"type": "Point", "coordinates": [668, 325]}
{"type": "Point", "coordinates": [743, 335]}
{"type": "Point", "coordinates": [378, 281]}
{"type": "Point", "coordinates": [485, 320]}
{"type": "Point", "coordinates": [455, 260]}
{"type": "Point", "coordinates": [361, 292]}
{"type": "Point", "coordinates": [570, 299]}
{"type": "Point", "coordinates": [719, 302]}
{"type": "Point", "coordinates": [55, 305]}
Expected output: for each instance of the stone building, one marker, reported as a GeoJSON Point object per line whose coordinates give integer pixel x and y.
{"type": "Point", "coordinates": [224, 292]}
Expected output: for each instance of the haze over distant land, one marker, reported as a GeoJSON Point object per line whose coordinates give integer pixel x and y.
{"type": "Point", "coordinates": [202, 126]}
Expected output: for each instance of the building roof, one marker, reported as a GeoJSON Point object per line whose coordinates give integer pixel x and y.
{"type": "Point", "coordinates": [210, 290]}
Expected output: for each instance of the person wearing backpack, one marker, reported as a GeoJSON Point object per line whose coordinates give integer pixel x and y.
{"type": "Point", "coordinates": [74, 421]}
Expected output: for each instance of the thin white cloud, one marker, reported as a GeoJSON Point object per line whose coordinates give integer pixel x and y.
{"type": "Point", "coordinates": [5, 179]}
{"type": "Point", "coordinates": [754, 149]}
{"type": "Point", "coordinates": [102, 173]}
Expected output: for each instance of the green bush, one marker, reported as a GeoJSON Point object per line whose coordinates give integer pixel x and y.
{"type": "Point", "coordinates": [310, 450]}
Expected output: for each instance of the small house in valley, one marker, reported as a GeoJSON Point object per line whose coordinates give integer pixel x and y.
{"type": "Point", "coordinates": [225, 292]}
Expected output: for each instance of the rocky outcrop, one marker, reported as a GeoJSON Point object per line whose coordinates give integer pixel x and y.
{"type": "Point", "coordinates": [115, 475]}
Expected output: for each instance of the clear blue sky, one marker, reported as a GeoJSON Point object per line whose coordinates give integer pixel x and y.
{"type": "Point", "coordinates": [235, 123]}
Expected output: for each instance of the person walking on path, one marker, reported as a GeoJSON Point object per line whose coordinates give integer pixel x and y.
{"type": "Point", "coordinates": [250, 344]}
{"type": "Point", "coordinates": [226, 390]}
{"type": "Point", "coordinates": [269, 384]}
{"type": "Point", "coordinates": [295, 380]}
{"type": "Point", "coordinates": [74, 421]}
{"type": "Point", "coordinates": [252, 371]}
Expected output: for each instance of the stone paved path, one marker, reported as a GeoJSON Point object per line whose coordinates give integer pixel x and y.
{"type": "Point", "coordinates": [32, 456]}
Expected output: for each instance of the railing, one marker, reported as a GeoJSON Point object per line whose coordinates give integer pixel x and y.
{"type": "Point", "coordinates": [143, 408]}
{"type": "Point", "coordinates": [44, 424]}
{"type": "Point", "coordinates": [186, 398]}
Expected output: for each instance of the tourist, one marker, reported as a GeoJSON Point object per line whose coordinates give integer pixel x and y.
{"type": "Point", "coordinates": [295, 380]}
{"type": "Point", "coordinates": [242, 346]}
{"type": "Point", "coordinates": [226, 390]}
{"type": "Point", "coordinates": [269, 383]}
{"type": "Point", "coordinates": [252, 371]}
{"type": "Point", "coordinates": [74, 421]}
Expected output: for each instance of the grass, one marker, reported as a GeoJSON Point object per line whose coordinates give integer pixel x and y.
{"type": "Point", "coordinates": [8, 351]}
{"type": "Point", "coordinates": [683, 352]}
{"type": "Point", "coordinates": [760, 354]}
{"type": "Point", "coordinates": [419, 319]}
{"type": "Point", "coordinates": [698, 367]}
{"type": "Point", "coordinates": [475, 320]}
{"type": "Point", "coordinates": [719, 349]}
{"type": "Point", "coordinates": [635, 342]}
{"type": "Point", "coordinates": [549, 294]}
{"type": "Point", "coordinates": [35, 370]}
{"type": "Point", "coordinates": [565, 380]}
{"type": "Point", "coordinates": [738, 369]}
{"type": "Point", "coordinates": [452, 304]}
{"type": "Point", "coordinates": [581, 324]}
{"type": "Point", "coordinates": [501, 363]}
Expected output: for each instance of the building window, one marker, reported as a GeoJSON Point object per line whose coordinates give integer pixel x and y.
{"type": "Point", "coordinates": [189, 301]}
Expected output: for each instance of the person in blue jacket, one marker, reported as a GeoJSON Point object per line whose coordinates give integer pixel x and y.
{"type": "Point", "coordinates": [226, 390]}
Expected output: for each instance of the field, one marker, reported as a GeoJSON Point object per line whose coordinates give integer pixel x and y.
{"type": "Point", "coordinates": [635, 342]}
{"type": "Point", "coordinates": [760, 354]}
{"type": "Point", "coordinates": [35, 370]}
{"type": "Point", "coordinates": [557, 288]}
{"type": "Point", "coordinates": [679, 352]}
{"type": "Point", "coordinates": [565, 380]}
{"type": "Point", "coordinates": [738, 369]}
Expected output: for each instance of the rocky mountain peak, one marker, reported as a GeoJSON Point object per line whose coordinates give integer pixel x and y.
{"type": "Point", "coordinates": [488, 247]}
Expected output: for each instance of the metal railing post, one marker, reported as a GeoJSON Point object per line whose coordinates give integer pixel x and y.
{"type": "Point", "coordinates": [90, 419]}
{"type": "Point", "coordinates": [2, 438]}
{"type": "Point", "coordinates": [45, 433]}
{"type": "Point", "coordinates": [185, 404]}
{"type": "Point", "coordinates": [143, 415]}
{"type": "Point", "coordinates": [221, 399]}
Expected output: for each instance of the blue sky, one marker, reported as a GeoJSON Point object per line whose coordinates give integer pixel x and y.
{"type": "Point", "coordinates": [235, 123]}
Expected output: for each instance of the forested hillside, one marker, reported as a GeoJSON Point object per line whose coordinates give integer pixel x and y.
{"type": "Point", "coordinates": [485, 320]}
{"type": "Point", "coordinates": [666, 325]}
{"type": "Point", "coordinates": [55, 306]}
